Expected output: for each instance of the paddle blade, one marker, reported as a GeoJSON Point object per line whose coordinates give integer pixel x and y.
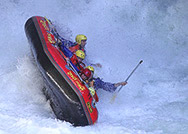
{"type": "Point", "coordinates": [113, 98]}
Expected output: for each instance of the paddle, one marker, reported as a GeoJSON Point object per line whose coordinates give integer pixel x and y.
{"type": "Point", "coordinates": [117, 91]}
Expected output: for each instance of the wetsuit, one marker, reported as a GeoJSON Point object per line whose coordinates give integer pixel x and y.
{"type": "Point", "coordinates": [98, 83]}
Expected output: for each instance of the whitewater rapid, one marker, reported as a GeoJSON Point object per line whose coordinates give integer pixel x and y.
{"type": "Point", "coordinates": [120, 34]}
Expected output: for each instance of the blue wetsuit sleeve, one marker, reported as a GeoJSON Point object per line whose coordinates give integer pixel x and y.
{"type": "Point", "coordinates": [66, 51]}
{"type": "Point", "coordinates": [104, 85]}
{"type": "Point", "coordinates": [66, 43]}
{"type": "Point", "coordinates": [68, 54]}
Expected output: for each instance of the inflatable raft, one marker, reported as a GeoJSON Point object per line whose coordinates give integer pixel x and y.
{"type": "Point", "coordinates": [69, 98]}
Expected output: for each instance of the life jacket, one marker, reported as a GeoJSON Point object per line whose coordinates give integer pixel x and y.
{"type": "Point", "coordinates": [93, 93]}
{"type": "Point", "coordinates": [79, 66]}
{"type": "Point", "coordinates": [76, 47]}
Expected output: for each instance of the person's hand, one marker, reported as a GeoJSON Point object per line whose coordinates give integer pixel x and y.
{"type": "Point", "coordinates": [98, 65]}
{"type": "Point", "coordinates": [123, 83]}
{"type": "Point", "coordinates": [91, 84]}
{"type": "Point", "coordinates": [120, 84]}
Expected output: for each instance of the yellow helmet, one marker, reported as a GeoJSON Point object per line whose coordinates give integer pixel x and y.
{"type": "Point", "coordinates": [80, 37]}
{"type": "Point", "coordinates": [91, 68]}
{"type": "Point", "coordinates": [80, 54]}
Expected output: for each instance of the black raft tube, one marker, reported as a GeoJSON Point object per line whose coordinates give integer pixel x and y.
{"type": "Point", "coordinates": [63, 99]}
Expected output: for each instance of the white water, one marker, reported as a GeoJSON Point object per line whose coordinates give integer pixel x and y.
{"type": "Point", "coordinates": [120, 33]}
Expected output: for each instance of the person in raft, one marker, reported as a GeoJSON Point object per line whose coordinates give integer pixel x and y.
{"type": "Point", "coordinates": [97, 83]}
{"type": "Point", "coordinates": [74, 58]}
{"type": "Point", "coordinates": [86, 74]}
{"type": "Point", "coordinates": [81, 41]}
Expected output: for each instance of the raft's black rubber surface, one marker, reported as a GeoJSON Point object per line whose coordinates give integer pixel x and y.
{"type": "Point", "coordinates": [63, 100]}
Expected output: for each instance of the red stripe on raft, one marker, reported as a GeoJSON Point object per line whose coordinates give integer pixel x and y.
{"type": "Point", "coordinates": [55, 57]}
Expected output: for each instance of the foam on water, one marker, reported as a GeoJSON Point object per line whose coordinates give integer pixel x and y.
{"type": "Point", "coordinates": [120, 34]}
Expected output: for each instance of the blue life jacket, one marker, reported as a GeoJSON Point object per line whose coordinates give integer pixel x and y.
{"type": "Point", "coordinates": [66, 51]}
{"type": "Point", "coordinates": [68, 54]}
{"type": "Point", "coordinates": [66, 43]}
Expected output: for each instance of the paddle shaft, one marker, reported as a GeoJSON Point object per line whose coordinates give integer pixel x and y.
{"type": "Point", "coordinates": [130, 74]}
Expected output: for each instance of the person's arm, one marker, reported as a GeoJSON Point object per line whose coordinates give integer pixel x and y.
{"type": "Point", "coordinates": [110, 87]}
{"type": "Point", "coordinates": [63, 41]}
{"type": "Point", "coordinates": [98, 83]}
{"type": "Point", "coordinates": [87, 62]}
{"type": "Point", "coordinates": [59, 38]}
{"type": "Point", "coordinates": [97, 65]}
{"type": "Point", "coordinates": [66, 43]}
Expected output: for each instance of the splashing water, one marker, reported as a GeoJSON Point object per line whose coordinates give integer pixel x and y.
{"type": "Point", "coordinates": [120, 34]}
